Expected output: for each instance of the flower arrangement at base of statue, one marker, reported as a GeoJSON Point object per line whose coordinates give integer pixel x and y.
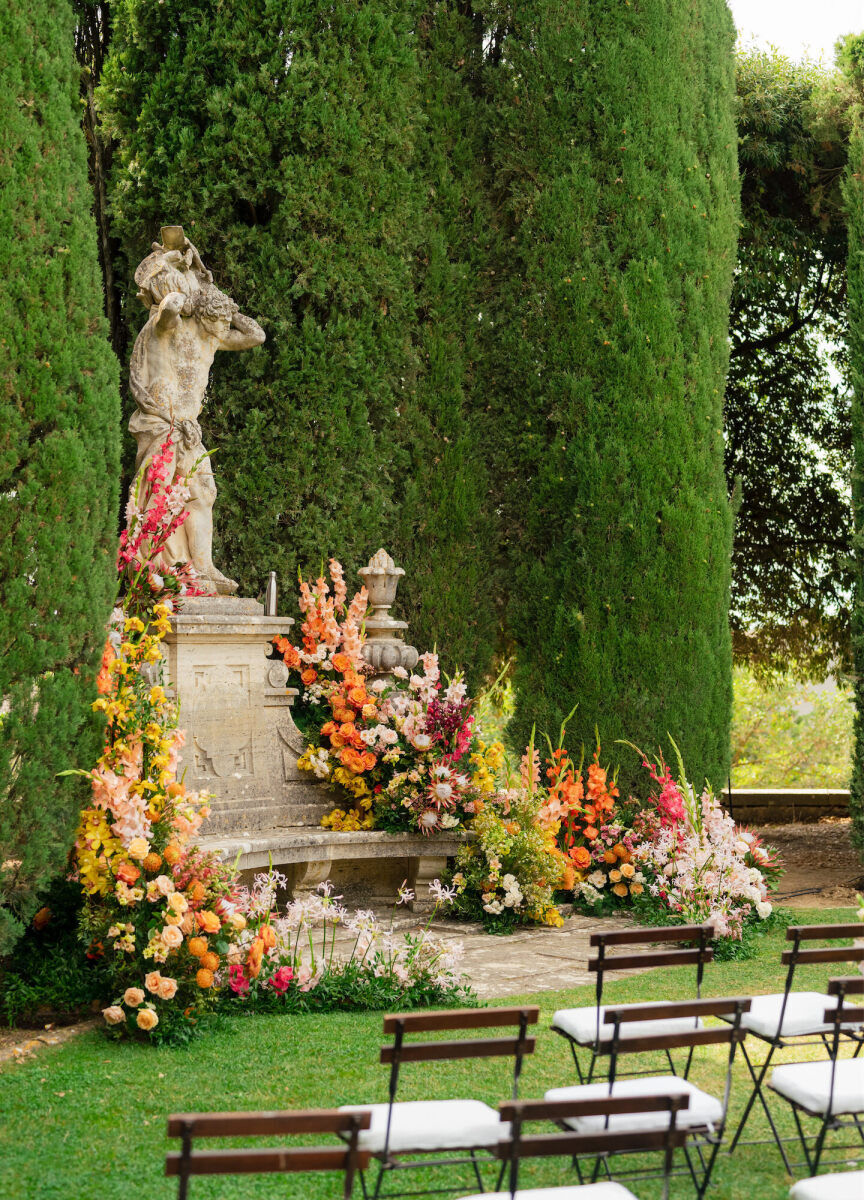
{"type": "Point", "coordinates": [156, 905]}
{"type": "Point", "coordinates": [290, 961]}
{"type": "Point", "coordinates": [400, 747]}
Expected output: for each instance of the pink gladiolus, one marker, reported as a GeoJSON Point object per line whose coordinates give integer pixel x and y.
{"type": "Point", "coordinates": [281, 980]}
{"type": "Point", "coordinates": [237, 980]}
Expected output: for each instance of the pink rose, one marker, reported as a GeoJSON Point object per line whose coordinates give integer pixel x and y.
{"type": "Point", "coordinates": [114, 1015]}
{"type": "Point", "coordinates": [133, 997]}
{"type": "Point", "coordinates": [152, 981]}
{"type": "Point", "coordinates": [167, 988]}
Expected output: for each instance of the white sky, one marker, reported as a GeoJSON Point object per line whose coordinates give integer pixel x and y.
{"type": "Point", "coordinates": [798, 27]}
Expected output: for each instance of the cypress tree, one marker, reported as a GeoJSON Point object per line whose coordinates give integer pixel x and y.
{"type": "Point", "coordinates": [59, 469]}
{"type": "Point", "coordinates": [445, 530]}
{"type": "Point", "coordinates": [281, 135]}
{"type": "Point", "coordinates": [617, 149]}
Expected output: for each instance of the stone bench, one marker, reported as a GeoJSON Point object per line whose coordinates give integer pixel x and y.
{"type": "Point", "coordinates": [312, 852]}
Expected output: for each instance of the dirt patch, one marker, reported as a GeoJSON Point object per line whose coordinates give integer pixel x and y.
{"type": "Point", "coordinates": [21, 1044]}
{"type": "Point", "coordinates": [822, 868]}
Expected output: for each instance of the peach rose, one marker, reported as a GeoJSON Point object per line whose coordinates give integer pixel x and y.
{"type": "Point", "coordinates": [127, 872]}
{"type": "Point", "coordinates": [628, 870]}
{"type": "Point", "coordinates": [620, 889]}
{"type": "Point", "coordinates": [138, 848]}
{"type": "Point", "coordinates": [167, 988]}
{"type": "Point", "coordinates": [636, 889]}
{"type": "Point", "coordinates": [146, 1019]}
{"type": "Point", "coordinates": [369, 712]}
{"type": "Point", "coordinates": [204, 978]}
{"type": "Point", "coordinates": [133, 997]}
{"type": "Point", "coordinates": [615, 876]}
{"type": "Point", "coordinates": [164, 884]}
{"type": "Point", "coordinates": [172, 918]}
{"type": "Point", "coordinates": [152, 981]}
{"type": "Point", "coordinates": [172, 937]}
{"type": "Point", "coordinates": [187, 924]}
{"type": "Point", "coordinates": [178, 902]}
{"type": "Point", "coordinates": [208, 922]}
{"type": "Point", "coordinates": [114, 1015]}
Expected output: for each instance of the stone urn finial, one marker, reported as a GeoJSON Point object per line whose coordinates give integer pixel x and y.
{"type": "Point", "coordinates": [384, 648]}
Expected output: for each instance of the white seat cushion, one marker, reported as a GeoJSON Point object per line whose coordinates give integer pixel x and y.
{"type": "Point", "coordinates": [586, 1191]}
{"type": "Point", "coordinates": [703, 1109]}
{"type": "Point", "coordinates": [809, 1084]}
{"type": "Point", "coordinates": [581, 1024]}
{"type": "Point", "coordinates": [431, 1125]}
{"type": "Point", "coordinates": [804, 1013]}
{"type": "Point", "coordinates": [845, 1185]}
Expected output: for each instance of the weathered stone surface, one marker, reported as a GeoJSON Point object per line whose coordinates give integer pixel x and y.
{"type": "Point", "coordinates": [241, 741]}
{"type": "Point", "coordinates": [189, 319]}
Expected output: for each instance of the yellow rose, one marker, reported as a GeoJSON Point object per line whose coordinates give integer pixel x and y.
{"type": "Point", "coordinates": [146, 1019]}
{"type": "Point", "coordinates": [138, 848]}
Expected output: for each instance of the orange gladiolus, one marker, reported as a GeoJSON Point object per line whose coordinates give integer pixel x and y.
{"type": "Point", "coordinates": [253, 962]}
{"type": "Point", "coordinates": [268, 936]}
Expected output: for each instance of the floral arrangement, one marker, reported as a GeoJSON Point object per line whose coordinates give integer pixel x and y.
{"type": "Point", "coordinates": [679, 857]}
{"type": "Point", "coordinates": [156, 910]}
{"type": "Point", "coordinates": [289, 961]}
{"type": "Point", "coordinates": [401, 747]}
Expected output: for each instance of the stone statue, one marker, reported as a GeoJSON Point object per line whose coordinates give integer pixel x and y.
{"type": "Point", "coordinates": [189, 320]}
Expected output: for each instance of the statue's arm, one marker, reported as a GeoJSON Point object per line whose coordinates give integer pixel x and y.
{"type": "Point", "coordinates": [169, 311]}
{"type": "Point", "coordinates": [244, 334]}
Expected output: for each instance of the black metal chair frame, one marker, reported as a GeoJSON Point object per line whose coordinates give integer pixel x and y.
{"type": "Point", "coordinates": [798, 955]}
{"type": "Point", "coordinates": [828, 1122]}
{"type": "Point", "coordinates": [402, 1051]}
{"type": "Point", "coordinates": [705, 1140]}
{"type": "Point", "coordinates": [596, 1144]}
{"type": "Point", "coordinates": [266, 1160]}
{"type": "Point", "coordinates": [699, 955]}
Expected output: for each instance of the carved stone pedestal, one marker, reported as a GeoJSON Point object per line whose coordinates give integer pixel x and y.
{"type": "Point", "coordinates": [241, 741]}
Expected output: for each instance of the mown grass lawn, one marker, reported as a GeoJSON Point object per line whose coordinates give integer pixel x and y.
{"type": "Point", "coordinates": [86, 1120]}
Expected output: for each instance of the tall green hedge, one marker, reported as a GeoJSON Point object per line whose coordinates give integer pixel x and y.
{"type": "Point", "coordinates": [446, 532]}
{"type": "Point", "coordinates": [281, 136]}
{"type": "Point", "coordinates": [59, 421]}
{"type": "Point", "coordinates": [617, 148]}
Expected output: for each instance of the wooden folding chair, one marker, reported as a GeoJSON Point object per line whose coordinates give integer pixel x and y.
{"type": "Point", "coordinates": [599, 1143]}
{"type": "Point", "coordinates": [705, 1116]}
{"type": "Point", "coordinates": [266, 1160]}
{"type": "Point", "coordinates": [831, 1091]}
{"type": "Point", "coordinates": [588, 1027]}
{"type": "Point", "coordinates": [791, 1019]}
{"type": "Point", "coordinates": [402, 1130]}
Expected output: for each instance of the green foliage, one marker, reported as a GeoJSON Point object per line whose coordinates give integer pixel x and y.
{"type": "Point", "coordinates": [853, 195]}
{"type": "Point", "coordinates": [616, 143]}
{"type": "Point", "coordinates": [58, 456]}
{"type": "Point", "coordinates": [790, 734]}
{"type": "Point", "coordinates": [788, 434]}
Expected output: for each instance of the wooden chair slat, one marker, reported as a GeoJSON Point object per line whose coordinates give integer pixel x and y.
{"type": "Point", "coordinates": [265, 1161]}
{"type": "Point", "coordinates": [469, 1048]}
{"type": "Point", "coordinates": [248, 1124]}
{"type": "Point", "coordinates": [852, 985]}
{"type": "Point", "coordinates": [710, 1007]}
{"type": "Point", "coordinates": [847, 1014]}
{"type": "Point", "coordinates": [542, 1145]}
{"type": "Point", "coordinates": [460, 1018]}
{"type": "Point", "coordinates": [657, 958]}
{"type": "Point", "coordinates": [672, 1041]}
{"type": "Point", "coordinates": [824, 954]}
{"type": "Point", "coordinates": [559, 1110]}
{"type": "Point", "coordinates": [823, 932]}
{"type": "Point", "coordinates": [639, 937]}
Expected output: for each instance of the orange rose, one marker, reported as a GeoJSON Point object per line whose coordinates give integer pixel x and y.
{"type": "Point", "coordinates": [204, 978]}
{"type": "Point", "coordinates": [152, 862]}
{"type": "Point", "coordinates": [43, 916]}
{"type": "Point", "coordinates": [329, 728]}
{"type": "Point", "coordinates": [341, 663]}
{"type": "Point", "coordinates": [369, 760]}
{"type": "Point", "coordinates": [171, 854]}
{"type": "Point", "coordinates": [208, 922]}
{"type": "Point", "coordinates": [336, 741]}
{"type": "Point", "coordinates": [308, 676]}
{"type": "Point", "coordinates": [128, 872]}
{"type": "Point", "coordinates": [210, 961]}
{"type": "Point", "coordinates": [637, 889]}
{"type": "Point", "coordinates": [622, 852]}
{"type": "Point", "coordinates": [580, 857]}
{"type": "Point", "coordinates": [358, 696]}
{"type": "Point", "coordinates": [610, 856]}
{"type": "Point", "coordinates": [347, 716]}
{"type": "Point", "coordinates": [590, 832]}
{"type": "Point", "coordinates": [197, 946]}
{"type": "Point", "coordinates": [346, 731]}
{"type": "Point", "coordinates": [267, 936]}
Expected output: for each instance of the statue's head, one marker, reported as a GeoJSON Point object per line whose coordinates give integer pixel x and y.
{"type": "Point", "coordinates": [213, 309]}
